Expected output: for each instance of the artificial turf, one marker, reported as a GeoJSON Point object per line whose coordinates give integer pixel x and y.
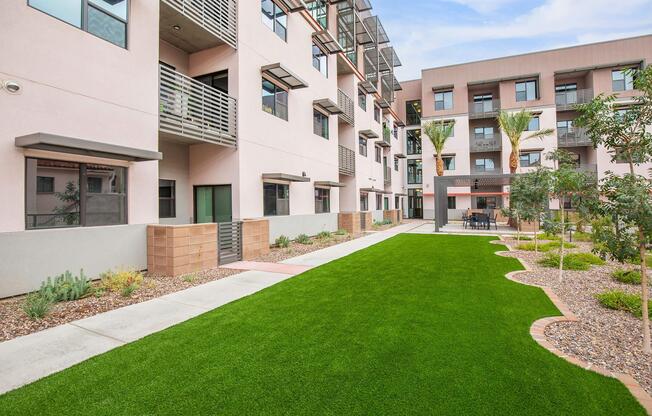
{"type": "Point", "coordinates": [418, 324]}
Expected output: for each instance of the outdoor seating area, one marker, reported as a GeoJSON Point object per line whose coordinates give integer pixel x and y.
{"type": "Point", "coordinates": [480, 220]}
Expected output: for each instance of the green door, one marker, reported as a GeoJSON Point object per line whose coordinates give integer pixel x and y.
{"type": "Point", "coordinates": [213, 204]}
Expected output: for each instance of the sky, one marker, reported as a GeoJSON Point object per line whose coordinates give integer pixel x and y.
{"type": "Point", "coordinates": [432, 33]}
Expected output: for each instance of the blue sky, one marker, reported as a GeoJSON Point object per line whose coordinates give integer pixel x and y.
{"type": "Point", "coordinates": [430, 33]}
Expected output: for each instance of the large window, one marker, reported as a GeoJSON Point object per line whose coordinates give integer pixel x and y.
{"type": "Point", "coordinates": [534, 124]}
{"type": "Point", "coordinates": [320, 124]}
{"type": "Point", "coordinates": [484, 165]}
{"type": "Point", "coordinates": [526, 90]}
{"type": "Point", "coordinates": [362, 146]}
{"type": "Point", "coordinates": [414, 171]}
{"type": "Point", "coordinates": [483, 103]}
{"type": "Point", "coordinates": [276, 199]}
{"type": "Point", "coordinates": [564, 127]}
{"type": "Point", "coordinates": [449, 162]}
{"type": "Point", "coordinates": [413, 142]}
{"type": "Point", "coordinates": [319, 10]}
{"type": "Point", "coordinates": [376, 113]}
{"type": "Point", "coordinates": [452, 202]}
{"type": "Point", "coordinates": [486, 202]}
{"type": "Point", "coordinates": [530, 159]}
{"type": "Point", "coordinates": [69, 194]}
{"type": "Point", "coordinates": [443, 100]}
{"type": "Point", "coordinates": [379, 153]}
{"type": "Point", "coordinates": [364, 202]}
{"type": "Point", "coordinates": [481, 133]}
{"type": "Point", "coordinates": [413, 112]}
{"type": "Point", "coordinates": [362, 100]}
{"type": "Point", "coordinates": [274, 18]}
{"type": "Point", "coordinates": [622, 80]}
{"type": "Point", "coordinates": [396, 164]}
{"type": "Point", "coordinates": [379, 202]}
{"type": "Point", "coordinates": [166, 198]}
{"type": "Point", "coordinates": [275, 100]}
{"type": "Point", "coordinates": [322, 200]}
{"type": "Point", "coordinates": [106, 19]}
{"type": "Point", "coordinates": [319, 60]}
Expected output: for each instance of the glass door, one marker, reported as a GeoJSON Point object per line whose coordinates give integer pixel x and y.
{"type": "Point", "coordinates": [213, 204]}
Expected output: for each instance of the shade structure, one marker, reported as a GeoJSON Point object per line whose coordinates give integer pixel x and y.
{"type": "Point", "coordinates": [328, 105]}
{"type": "Point", "coordinates": [283, 75]}
{"type": "Point", "coordinates": [368, 134]}
{"type": "Point", "coordinates": [327, 42]}
{"type": "Point", "coordinates": [285, 177]}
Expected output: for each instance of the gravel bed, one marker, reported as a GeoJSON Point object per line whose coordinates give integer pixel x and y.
{"type": "Point", "coordinates": [608, 338]}
{"type": "Point", "coordinates": [296, 249]}
{"type": "Point", "coordinates": [14, 322]}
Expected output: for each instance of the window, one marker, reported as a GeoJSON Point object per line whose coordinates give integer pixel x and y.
{"type": "Point", "coordinates": [534, 124]}
{"type": "Point", "coordinates": [379, 202]}
{"type": "Point", "coordinates": [276, 199]}
{"type": "Point", "coordinates": [274, 18]}
{"type": "Point", "coordinates": [566, 94]}
{"type": "Point", "coordinates": [564, 127]}
{"type": "Point", "coordinates": [622, 80]}
{"type": "Point", "coordinates": [452, 202]}
{"type": "Point", "coordinates": [319, 10]}
{"type": "Point", "coordinates": [396, 164]}
{"type": "Point", "coordinates": [379, 153]}
{"type": "Point", "coordinates": [449, 162]}
{"type": "Point", "coordinates": [44, 184]}
{"type": "Point", "coordinates": [484, 165]}
{"type": "Point", "coordinates": [319, 60]}
{"type": "Point", "coordinates": [362, 100]}
{"type": "Point", "coordinates": [530, 159]}
{"type": "Point", "coordinates": [364, 202]}
{"type": "Point", "coordinates": [413, 142]}
{"type": "Point", "coordinates": [443, 100]}
{"type": "Point", "coordinates": [167, 198]}
{"type": "Point", "coordinates": [322, 200]}
{"type": "Point", "coordinates": [414, 171]}
{"type": "Point", "coordinates": [87, 194]}
{"type": "Point", "coordinates": [526, 90]}
{"type": "Point", "coordinates": [486, 202]}
{"type": "Point", "coordinates": [362, 146]}
{"type": "Point", "coordinates": [397, 202]}
{"type": "Point", "coordinates": [395, 130]}
{"type": "Point", "coordinates": [483, 103]}
{"type": "Point", "coordinates": [218, 80]}
{"type": "Point", "coordinates": [481, 133]}
{"type": "Point", "coordinates": [320, 124]}
{"type": "Point", "coordinates": [106, 19]}
{"type": "Point", "coordinates": [450, 124]}
{"type": "Point", "coordinates": [275, 100]}
{"type": "Point", "coordinates": [376, 113]}
{"type": "Point", "coordinates": [386, 204]}
{"type": "Point", "coordinates": [413, 112]}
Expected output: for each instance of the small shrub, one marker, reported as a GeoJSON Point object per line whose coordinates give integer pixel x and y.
{"type": "Point", "coordinates": [303, 239]}
{"type": "Point", "coordinates": [189, 278]}
{"type": "Point", "coordinates": [549, 237]}
{"type": "Point", "coordinates": [582, 237]}
{"type": "Point", "coordinates": [65, 287]}
{"type": "Point", "coordinates": [127, 291]}
{"type": "Point", "coordinates": [282, 242]}
{"type": "Point", "coordinates": [118, 281]}
{"type": "Point", "coordinates": [631, 277]}
{"type": "Point", "coordinates": [544, 247]}
{"type": "Point", "coordinates": [324, 235]}
{"type": "Point", "coordinates": [587, 258]}
{"type": "Point", "coordinates": [341, 231]}
{"type": "Point", "coordinates": [524, 238]}
{"type": "Point", "coordinates": [98, 292]}
{"type": "Point", "coordinates": [621, 301]}
{"type": "Point", "coordinates": [36, 306]}
{"type": "Point", "coordinates": [570, 262]}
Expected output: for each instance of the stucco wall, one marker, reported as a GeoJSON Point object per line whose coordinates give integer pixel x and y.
{"type": "Point", "coordinates": [292, 226]}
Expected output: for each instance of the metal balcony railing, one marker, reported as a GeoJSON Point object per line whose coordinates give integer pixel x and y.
{"type": "Point", "coordinates": [566, 100]}
{"type": "Point", "coordinates": [483, 143]}
{"type": "Point", "coordinates": [573, 137]}
{"type": "Point", "coordinates": [346, 161]}
{"type": "Point", "coordinates": [195, 111]}
{"type": "Point", "coordinates": [218, 17]}
{"type": "Point", "coordinates": [345, 103]}
{"type": "Point", "coordinates": [484, 109]}
{"type": "Point", "coordinates": [388, 175]}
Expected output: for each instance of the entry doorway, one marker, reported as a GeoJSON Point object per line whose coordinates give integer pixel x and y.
{"type": "Point", "coordinates": [415, 203]}
{"type": "Point", "coordinates": [213, 203]}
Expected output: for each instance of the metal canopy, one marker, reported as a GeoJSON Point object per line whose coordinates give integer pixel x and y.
{"type": "Point", "coordinates": [390, 56]}
{"type": "Point", "coordinates": [292, 5]}
{"type": "Point", "coordinates": [383, 143]}
{"type": "Point", "coordinates": [400, 123]}
{"type": "Point", "coordinates": [374, 190]}
{"type": "Point", "coordinates": [328, 105]}
{"type": "Point", "coordinates": [328, 43]}
{"type": "Point", "coordinates": [286, 177]}
{"type": "Point", "coordinates": [377, 29]}
{"type": "Point", "coordinates": [384, 103]}
{"type": "Point", "coordinates": [284, 76]}
{"type": "Point", "coordinates": [368, 87]}
{"type": "Point", "coordinates": [362, 33]}
{"type": "Point", "coordinates": [368, 134]}
{"type": "Point", "coordinates": [329, 184]}
{"type": "Point", "coordinates": [362, 5]}
{"type": "Point", "coordinates": [71, 145]}
{"type": "Point", "coordinates": [400, 156]}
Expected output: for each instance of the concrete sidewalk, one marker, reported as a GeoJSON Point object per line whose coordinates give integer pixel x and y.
{"type": "Point", "coordinates": [26, 359]}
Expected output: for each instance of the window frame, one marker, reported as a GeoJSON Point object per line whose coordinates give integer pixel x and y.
{"type": "Point", "coordinates": [364, 202]}
{"type": "Point", "coordinates": [320, 5]}
{"type": "Point", "coordinates": [51, 185]}
{"type": "Point", "coordinates": [172, 199]}
{"type": "Point", "coordinates": [275, 19]}
{"type": "Point", "coordinates": [320, 200]}
{"type": "Point", "coordinates": [443, 101]}
{"type": "Point", "coordinates": [377, 113]}
{"type": "Point", "coordinates": [412, 114]}
{"type": "Point", "coordinates": [277, 91]}
{"type": "Point", "coordinates": [379, 202]}
{"type": "Point", "coordinates": [627, 80]}
{"type": "Point", "coordinates": [529, 163]}
{"type": "Point", "coordinates": [378, 155]}
{"type": "Point", "coordinates": [414, 142]}
{"type": "Point", "coordinates": [277, 187]}
{"type": "Point", "coordinates": [320, 59]}
{"type": "Point", "coordinates": [362, 144]}
{"type": "Point", "coordinates": [452, 199]}
{"type": "Point", "coordinates": [416, 177]}
{"type": "Point", "coordinates": [535, 119]}
{"type": "Point", "coordinates": [450, 166]}
{"type": "Point", "coordinates": [324, 124]}
{"type": "Point", "coordinates": [525, 91]}
{"type": "Point", "coordinates": [362, 100]}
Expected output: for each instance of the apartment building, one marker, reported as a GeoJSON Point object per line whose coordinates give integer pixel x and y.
{"type": "Point", "coordinates": [120, 114]}
{"type": "Point", "coordinates": [549, 84]}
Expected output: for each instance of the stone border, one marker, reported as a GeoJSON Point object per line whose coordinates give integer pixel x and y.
{"type": "Point", "coordinates": [537, 331]}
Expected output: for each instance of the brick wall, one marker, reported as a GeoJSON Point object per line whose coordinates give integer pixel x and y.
{"type": "Point", "coordinates": [255, 238]}
{"type": "Point", "coordinates": [175, 250]}
{"type": "Point", "coordinates": [349, 221]}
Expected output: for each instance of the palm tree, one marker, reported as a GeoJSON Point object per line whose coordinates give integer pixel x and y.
{"type": "Point", "coordinates": [514, 124]}
{"type": "Point", "coordinates": [439, 133]}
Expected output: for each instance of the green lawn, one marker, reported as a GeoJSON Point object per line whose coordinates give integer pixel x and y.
{"type": "Point", "coordinates": [418, 324]}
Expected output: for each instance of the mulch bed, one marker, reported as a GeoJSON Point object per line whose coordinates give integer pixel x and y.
{"type": "Point", "coordinates": [608, 338]}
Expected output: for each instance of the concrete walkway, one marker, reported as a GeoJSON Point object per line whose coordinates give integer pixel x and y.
{"type": "Point", "coordinates": [26, 359]}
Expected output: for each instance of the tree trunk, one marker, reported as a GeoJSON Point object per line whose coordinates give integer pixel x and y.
{"type": "Point", "coordinates": [536, 236]}
{"type": "Point", "coordinates": [561, 246]}
{"type": "Point", "coordinates": [514, 160]}
{"type": "Point", "coordinates": [440, 165]}
{"type": "Point", "coordinates": [644, 294]}
{"type": "Point", "coordinates": [518, 228]}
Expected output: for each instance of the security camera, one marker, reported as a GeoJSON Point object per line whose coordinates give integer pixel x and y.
{"type": "Point", "coordinates": [12, 87]}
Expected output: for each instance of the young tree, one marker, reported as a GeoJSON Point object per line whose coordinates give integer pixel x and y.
{"type": "Point", "coordinates": [625, 133]}
{"type": "Point", "coordinates": [439, 133]}
{"type": "Point", "coordinates": [534, 190]}
{"type": "Point", "coordinates": [514, 125]}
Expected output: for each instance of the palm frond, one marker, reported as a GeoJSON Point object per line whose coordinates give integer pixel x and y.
{"type": "Point", "coordinates": [438, 133]}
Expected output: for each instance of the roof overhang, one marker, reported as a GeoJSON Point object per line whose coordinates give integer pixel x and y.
{"type": "Point", "coordinates": [283, 75]}
{"type": "Point", "coordinates": [401, 194]}
{"type": "Point", "coordinates": [442, 88]}
{"type": "Point", "coordinates": [400, 156]}
{"type": "Point", "coordinates": [329, 184]}
{"type": "Point", "coordinates": [384, 103]}
{"type": "Point", "coordinates": [638, 63]}
{"type": "Point", "coordinates": [368, 134]}
{"type": "Point", "coordinates": [328, 105]}
{"type": "Point", "coordinates": [71, 145]}
{"type": "Point", "coordinates": [292, 5]}
{"type": "Point", "coordinates": [375, 190]}
{"type": "Point", "coordinates": [400, 123]}
{"type": "Point", "coordinates": [496, 80]}
{"type": "Point", "coordinates": [368, 87]}
{"type": "Point", "coordinates": [285, 177]}
{"type": "Point", "coordinates": [327, 42]}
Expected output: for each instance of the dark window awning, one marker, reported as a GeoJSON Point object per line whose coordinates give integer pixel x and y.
{"type": "Point", "coordinates": [384, 103]}
{"type": "Point", "coordinates": [400, 123]}
{"type": "Point", "coordinates": [329, 184]}
{"type": "Point", "coordinates": [368, 87]}
{"type": "Point", "coordinates": [368, 134]}
{"type": "Point", "coordinates": [400, 156]}
{"type": "Point", "coordinates": [284, 76]}
{"type": "Point", "coordinates": [285, 177]}
{"type": "Point", "coordinates": [327, 42]}
{"type": "Point", "coordinates": [328, 105]}
{"type": "Point", "coordinates": [64, 144]}
{"type": "Point", "coordinates": [375, 190]}
{"type": "Point", "coordinates": [443, 88]}
{"type": "Point", "coordinates": [292, 5]}
{"type": "Point", "coordinates": [401, 194]}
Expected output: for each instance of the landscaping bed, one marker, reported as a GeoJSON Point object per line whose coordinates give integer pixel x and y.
{"type": "Point", "coordinates": [609, 338]}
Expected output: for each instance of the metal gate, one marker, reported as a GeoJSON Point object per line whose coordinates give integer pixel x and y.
{"type": "Point", "coordinates": [363, 221]}
{"type": "Point", "coordinates": [229, 242]}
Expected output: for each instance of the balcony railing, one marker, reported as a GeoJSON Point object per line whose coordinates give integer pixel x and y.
{"type": "Point", "coordinates": [566, 100]}
{"type": "Point", "coordinates": [484, 109]}
{"type": "Point", "coordinates": [346, 161]}
{"type": "Point", "coordinates": [388, 175]}
{"type": "Point", "coordinates": [483, 143]}
{"type": "Point", "coordinates": [486, 171]}
{"type": "Point", "coordinates": [345, 103]}
{"type": "Point", "coordinates": [194, 111]}
{"type": "Point", "coordinates": [573, 137]}
{"type": "Point", "coordinates": [214, 18]}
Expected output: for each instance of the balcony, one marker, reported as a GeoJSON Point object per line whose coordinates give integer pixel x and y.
{"type": "Point", "coordinates": [567, 100]}
{"type": "Point", "coordinates": [484, 109]}
{"type": "Point", "coordinates": [573, 137]}
{"type": "Point", "coordinates": [193, 25]}
{"type": "Point", "coordinates": [386, 139]}
{"type": "Point", "coordinates": [192, 112]}
{"type": "Point", "coordinates": [387, 175]}
{"type": "Point", "coordinates": [483, 143]}
{"type": "Point", "coordinates": [346, 161]}
{"type": "Point", "coordinates": [486, 171]}
{"type": "Point", "coordinates": [345, 103]}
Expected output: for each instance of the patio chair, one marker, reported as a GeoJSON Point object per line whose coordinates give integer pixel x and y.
{"type": "Point", "coordinates": [465, 221]}
{"type": "Point", "coordinates": [493, 220]}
